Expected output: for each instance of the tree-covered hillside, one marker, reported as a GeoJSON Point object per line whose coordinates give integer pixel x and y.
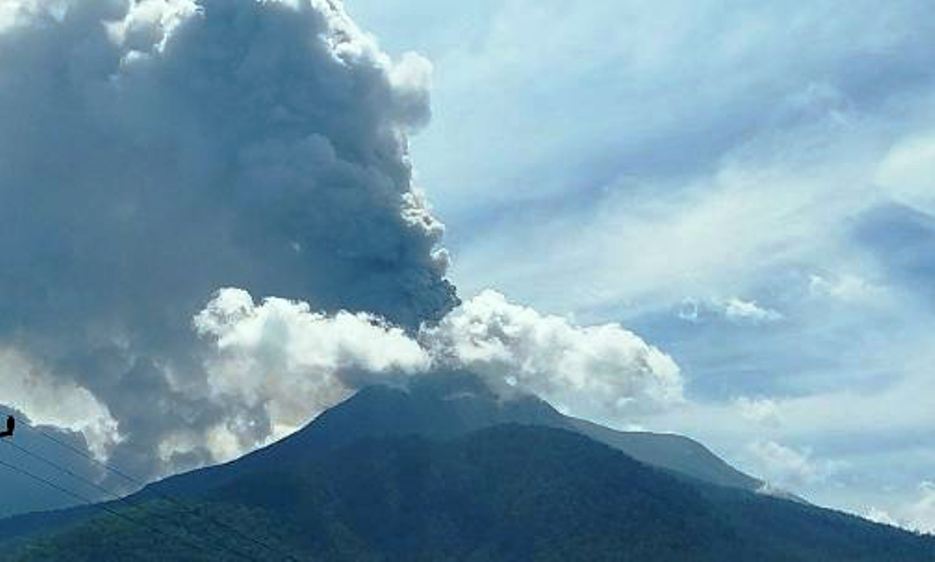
{"type": "Point", "coordinates": [505, 493]}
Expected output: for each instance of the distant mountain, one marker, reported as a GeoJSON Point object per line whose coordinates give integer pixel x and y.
{"type": "Point", "coordinates": [672, 452]}
{"type": "Point", "coordinates": [447, 471]}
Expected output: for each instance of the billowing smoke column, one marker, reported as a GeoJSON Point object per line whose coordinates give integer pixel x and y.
{"type": "Point", "coordinates": [280, 357]}
{"type": "Point", "coordinates": [153, 153]}
{"type": "Point", "coordinates": [603, 371]}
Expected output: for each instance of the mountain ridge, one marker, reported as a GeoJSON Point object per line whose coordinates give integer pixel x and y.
{"type": "Point", "coordinates": [509, 492]}
{"type": "Point", "coordinates": [442, 405]}
{"type": "Point", "coordinates": [443, 460]}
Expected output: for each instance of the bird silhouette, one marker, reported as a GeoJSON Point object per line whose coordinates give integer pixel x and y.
{"type": "Point", "coordinates": [10, 426]}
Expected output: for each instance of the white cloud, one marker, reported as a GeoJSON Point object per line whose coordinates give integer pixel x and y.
{"type": "Point", "coordinates": [917, 515]}
{"type": "Point", "coordinates": [761, 410]}
{"type": "Point", "coordinates": [562, 100]}
{"type": "Point", "coordinates": [848, 288]}
{"type": "Point", "coordinates": [279, 360]}
{"type": "Point", "coordinates": [735, 310]}
{"type": "Point", "coordinates": [880, 516]}
{"type": "Point", "coordinates": [921, 514]}
{"type": "Point", "coordinates": [689, 311]}
{"type": "Point", "coordinates": [742, 311]}
{"type": "Point", "coordinates": [650, 244]}
{"type": "Point", "coordinates": [293, 363]}
{"type": "Point", "coordinates": [30, 388]}
{"type": "Point", "coordinates": [787, 467]}
{"type": "Point", "coordinates": [602, 371]}
{"type": "Point", "coordinates": [907, 171]}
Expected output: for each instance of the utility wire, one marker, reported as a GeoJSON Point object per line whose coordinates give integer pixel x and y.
{"type": "Point", "coordinates": [161, 495]}
{"type": "Point", "coordinates": [87, 501]}
{"type": "Point", "coordinates": [109, 492]}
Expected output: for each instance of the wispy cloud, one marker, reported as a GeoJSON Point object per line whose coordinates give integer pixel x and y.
{"type": "Point", "coordinates": [733, 310]}
{"type": "Point", "coordinates": [788, 467]}
{"type": "Point", "coordinates": [916, 515]}
{"type": "Point", "coordinates": [771, 154]}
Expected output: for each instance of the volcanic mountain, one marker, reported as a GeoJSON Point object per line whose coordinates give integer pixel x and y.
{"type": "Point", "coordinates": [447, 470]}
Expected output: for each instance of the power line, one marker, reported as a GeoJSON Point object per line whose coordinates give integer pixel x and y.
{"type": "Point", "coordinates": [66, 471]}
{"type": "Point", "coordinates": [161, 495]}
{"type": "Point", "coordinates": [166, 497]}
{"type": "Point", "coordinates": [84, 454]}
{"type": "Point", "coordinates": [107, 491]}
{"type": "Point", "coordinates": [89, 502]}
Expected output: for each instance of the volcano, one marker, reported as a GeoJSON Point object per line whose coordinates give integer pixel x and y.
{"type": "Point", "coordinates": [446, 469]}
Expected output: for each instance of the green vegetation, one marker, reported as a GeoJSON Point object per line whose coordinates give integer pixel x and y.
{"type": "Point", "coordinates": [159, 530]}
{"type": "Point", "coordinates": [505, 493]}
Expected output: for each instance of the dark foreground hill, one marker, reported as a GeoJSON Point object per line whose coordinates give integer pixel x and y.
{"type": "Point", "coordinates": [509, 492]}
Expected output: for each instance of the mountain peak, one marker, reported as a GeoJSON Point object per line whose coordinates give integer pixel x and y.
{"type": "Point", "coordinates": [449, 404]}
{"type": "Point", "coordinates": [440, 405]}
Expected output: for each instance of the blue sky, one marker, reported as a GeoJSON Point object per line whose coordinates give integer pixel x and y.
{"type": "Point", "coordinates": [749, 186]}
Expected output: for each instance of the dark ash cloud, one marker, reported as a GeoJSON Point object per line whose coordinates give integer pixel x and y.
{"type": "Point", "coordinates": [152, 152]}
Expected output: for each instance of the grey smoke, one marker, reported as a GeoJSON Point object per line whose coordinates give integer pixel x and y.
{"type": "Point", "coordinates": [291, 362]}
{"type": "Point", "coordinates": [152, 152]}
{"type": "Point", "coordinates": [209, 232]}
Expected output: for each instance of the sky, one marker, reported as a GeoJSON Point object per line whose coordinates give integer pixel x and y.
{"type": "Point", "coordinates": [716, 218]}
{"type": "Point", "coordinates": [749, 186]}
